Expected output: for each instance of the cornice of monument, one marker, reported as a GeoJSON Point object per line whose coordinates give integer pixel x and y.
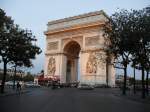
{"type": "Point", "coordinates": [101, 12]}
{"type": "Point", "coordinates": [77, 22]}
{"type": "Point", "coordinates": [50, 32]}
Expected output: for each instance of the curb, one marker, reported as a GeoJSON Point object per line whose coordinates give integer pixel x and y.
{"type": "Point", "coordinates": [11, 94]}
{"type": "Point", "coordinates": [138, 99]}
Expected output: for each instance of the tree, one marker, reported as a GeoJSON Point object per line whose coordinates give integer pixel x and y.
{"type": "Point", "coordinates": [28, 77]}
{"type": "Point", "coordinates": [134, 89]}
{"type": "Point", "coordinates": [24, 50]}
{"type": "Point", "coordinates": [141, 49]}
{"type": "Point", "coordinates": [134, 68]}
{"type": "Point", "coordinates": [147, 83]}
{"type": "Point", "coordinates": [6, 25]}
{"type": "Point", "coordinates": [118, 32]}
{"type": "Point", "coordinates": [129, 37]}
{"type": "Point", "coordinates": [19, 45]}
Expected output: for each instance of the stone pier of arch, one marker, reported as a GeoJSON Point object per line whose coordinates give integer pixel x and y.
{"type": "Point", "coordinates": [76, 50]}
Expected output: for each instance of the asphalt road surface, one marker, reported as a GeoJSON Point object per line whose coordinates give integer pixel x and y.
{"type": "Point", "coordinates": [70, 100]}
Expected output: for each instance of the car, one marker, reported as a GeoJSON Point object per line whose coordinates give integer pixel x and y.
{"type": "Point", "coordinates": [10, 83]}
{"type": "Point", "coordinates": [85, 87]}
{"type": "Point", "coordinates": [31, 85]}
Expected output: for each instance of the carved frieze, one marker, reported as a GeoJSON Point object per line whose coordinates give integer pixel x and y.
{"type": "Point", "coordinates": [51, 66]}
{"type": "Point", "coordinates": [91, 66]}
{"type": "Point", "coordinates": [52, 45]}
{"type": "Point", "coordinates": [90, 41]}
{"type": "Point", "coordinates": [78, 39]}
{"type": "Point", "coordinates": [75, 32]}
{"type": "Point", "coordinates": [95, 60]}
{"type": "Point", "coordinates": [101, 59]}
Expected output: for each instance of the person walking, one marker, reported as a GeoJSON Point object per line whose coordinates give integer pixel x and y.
{"type": "Point", "coordinates": [18, 88]}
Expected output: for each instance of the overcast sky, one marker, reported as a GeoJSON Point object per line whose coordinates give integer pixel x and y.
{"type": "Point", "coordinates": [35, 14]}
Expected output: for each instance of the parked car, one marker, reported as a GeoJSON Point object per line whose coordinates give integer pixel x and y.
{"type": "Point", "coordinates": [10, 83]}
{"type": "Point", "coordinates": [85, 87]}
{"type": "Point", "coordinates": [31, 85]}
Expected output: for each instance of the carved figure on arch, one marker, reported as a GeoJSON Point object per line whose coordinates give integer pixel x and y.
{"type": "Point", "coordinates": [51, 66]}
{"type": "Point", "coordinates": [91, 66]}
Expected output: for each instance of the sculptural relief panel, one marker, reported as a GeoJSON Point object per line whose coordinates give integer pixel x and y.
{"type": "Point", "coordinates": [91, 66]}
{"type": "Point", "coordinates": [95, 61]}
{"type": "Point", "coordinates": [92, 41]}
{"type": "Point", "coordinates": [51, 66]}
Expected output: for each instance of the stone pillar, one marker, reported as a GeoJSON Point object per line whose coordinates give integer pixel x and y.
{"type": "Point", "coordinates": [74, 70]}
{"type": "Point", "coordinates": [63, 63]}
{"type": "Point", "coordinates": [93, 67]}
{"type": "Point", "coordinates": [46, 66]}
{"type": "Point", "coordinates": [111, 72]}
{"type": "Point", "coordinates": [111, 75]}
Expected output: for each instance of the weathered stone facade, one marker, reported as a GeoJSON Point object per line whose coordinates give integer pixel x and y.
{"type": "Point", "coordinates": [76, 50]}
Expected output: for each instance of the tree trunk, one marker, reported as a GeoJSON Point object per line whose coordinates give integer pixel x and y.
{"type": "Point", "coordinates": [147, 89]}
{"type": "Point", "coordinates": [143, 83]}
{"type": "Point", "coordinates": [14, 78]}
{"type": "Point", "coordinates": [4, 76]}
{"type": "Point", "coordinates": [134, 83]}
{"type": "Point", "coordinates": [124, 84]}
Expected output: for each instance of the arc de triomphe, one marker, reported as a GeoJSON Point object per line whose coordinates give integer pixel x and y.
{"type": "Point", "coordinates": [76, 50]}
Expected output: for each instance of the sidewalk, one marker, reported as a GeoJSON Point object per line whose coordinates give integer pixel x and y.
{"type": "Point", "coordinates": [10, 91]}
{"type": "Point", "coordinates": [134, 97]}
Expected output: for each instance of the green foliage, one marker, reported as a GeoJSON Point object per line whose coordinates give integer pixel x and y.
{"type": "Point", "coordinates": [8, 77]}
{"type": "Point", "coordinates": [129, 35]}
{"type": "Point", "coordinates": [6, 25]}
{"type": "Point", "coordinates": [119, 34]}
{"type": "Point", "coordinates": [23, 49]}
{"type": "Point", "coordinates": [126, 31]}
{"type": "Point", "coordinates": [141, 36]}
{"type": "Point", "coordinates": [17, 46]}
{"type": "Point", "coordinates": [28, 77]}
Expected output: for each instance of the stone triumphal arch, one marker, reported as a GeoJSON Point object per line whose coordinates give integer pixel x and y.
{"type": "Point", "coordinates": [76, 50]}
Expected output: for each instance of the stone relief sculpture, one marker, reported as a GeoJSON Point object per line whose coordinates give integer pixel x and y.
{"type": "Point", "coordinates": [51, 66]}
{"type": "Point", "coordinates": [91, 66]}
{"type": "Point", "coordinates": [95, 60]}
{"type": "Point", "coordinates": [101, 59]}
{"type": "Point", "coordinates": [90, 41]}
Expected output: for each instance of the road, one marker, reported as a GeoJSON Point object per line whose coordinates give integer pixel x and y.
{"type": "Point", "coordinates": [70, 100]}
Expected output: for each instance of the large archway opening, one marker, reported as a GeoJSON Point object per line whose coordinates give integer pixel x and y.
{"type": "Point", "coordinates": [71, 51]}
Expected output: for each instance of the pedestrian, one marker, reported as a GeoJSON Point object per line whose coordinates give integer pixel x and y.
{"type": "Point", "coordinates": [18, 88]}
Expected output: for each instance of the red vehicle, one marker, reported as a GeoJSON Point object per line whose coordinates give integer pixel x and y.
{"type": "Point", "coordinates": [48, 81]}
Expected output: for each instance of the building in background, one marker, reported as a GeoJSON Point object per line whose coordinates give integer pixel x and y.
{"type": "Point", "coordinates": [10, 72]}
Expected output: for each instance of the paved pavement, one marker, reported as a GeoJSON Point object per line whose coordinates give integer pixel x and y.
{"type": "Point", "coordinates": [70, 100]}
{"type": "Point", "coordinates": [10, 92]}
